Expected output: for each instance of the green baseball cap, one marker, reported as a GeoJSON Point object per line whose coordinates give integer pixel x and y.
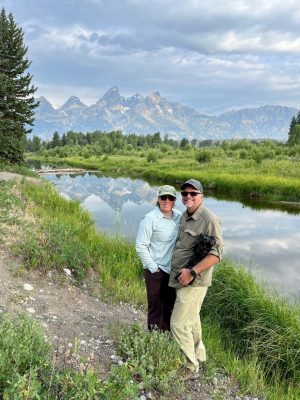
{"type": "Point", "coordinates": [167, 189]}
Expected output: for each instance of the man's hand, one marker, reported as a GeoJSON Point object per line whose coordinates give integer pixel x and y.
{"type": "Point", "coordinates": [185, 277]}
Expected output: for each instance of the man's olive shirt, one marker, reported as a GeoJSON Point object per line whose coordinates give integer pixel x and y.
{"type": "Point", "coordinates": [191, 226]}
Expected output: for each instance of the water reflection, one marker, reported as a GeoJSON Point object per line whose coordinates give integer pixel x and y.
{"type": "Point", "coordinates": [265, 240]}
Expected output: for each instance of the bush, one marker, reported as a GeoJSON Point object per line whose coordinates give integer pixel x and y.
{"type": "Point", "coordinates": [152, 156]}
{"type": "Point", "coordinates": [154, 356]}
{"type": "Point", "coordinates": [257, 156]}
{"type": "Point", "coordinates": [23, 387]}
{"type": "Point", "coordinates": [23, 352]}
{"type": "Point", "coordinates": [203, 156]}
{"type": "Point", "coordinates": [78, 385]}
{"type": "Point", "coordinates": [26, 370]}
{"type": "Point", "coordinates": [243, 154]}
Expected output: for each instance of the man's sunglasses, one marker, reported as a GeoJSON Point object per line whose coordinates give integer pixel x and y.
{"type": "Point", "coordinates": [167, 197]}
{"type": "Point", "coordinates": [193, 194]}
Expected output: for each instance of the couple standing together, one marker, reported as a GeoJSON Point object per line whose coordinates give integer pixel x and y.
{"type": "Point", "coordinates": [165, 243]}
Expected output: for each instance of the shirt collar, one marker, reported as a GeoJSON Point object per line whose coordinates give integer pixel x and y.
{"type": "Point", "coordinates": [196, 215]}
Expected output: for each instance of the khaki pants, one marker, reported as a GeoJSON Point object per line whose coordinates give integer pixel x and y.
{"type": "Point", "coordinates": [186, 324]}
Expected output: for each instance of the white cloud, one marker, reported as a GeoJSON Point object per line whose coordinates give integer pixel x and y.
{"type": "Point", "coordinates": [219, 49]}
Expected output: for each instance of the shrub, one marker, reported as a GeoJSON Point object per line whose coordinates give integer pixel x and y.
{"type": "Point", "coordinates": [203, 156]}
{"type": "Point", "coordinates": [152, 156]}
{"type": "Point", "coordinates": [78, 385]}
{"type": "Point", "coordinates": [23, 352]}
{"type": "Point", "coordinates": [243, 154]}
{"type": "Point", "coordinates": [23, 387]}
{"type": "Point", "coordinates": [154, 356]}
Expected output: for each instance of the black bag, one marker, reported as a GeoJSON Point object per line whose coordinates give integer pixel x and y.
{"type": "Point", "coordinates": [201, 248]}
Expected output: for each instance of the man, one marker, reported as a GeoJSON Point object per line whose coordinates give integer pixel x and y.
{"type": "Point", "coordinates": [185, 320]}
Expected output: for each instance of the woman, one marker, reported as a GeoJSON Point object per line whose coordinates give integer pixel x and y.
{"type": "Point", "coordinates": [154, 245]}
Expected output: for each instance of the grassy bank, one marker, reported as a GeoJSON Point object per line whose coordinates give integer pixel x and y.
{"type": "Point", "coordinates": [270, 179]}
{"type": "Point", "coordinates": [49, 233]}
{"type": "Point", "coordinates": [248, 334]}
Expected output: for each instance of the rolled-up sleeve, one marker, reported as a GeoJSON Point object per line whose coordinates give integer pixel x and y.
{"type": "Point", "coordinates": [214, 229]}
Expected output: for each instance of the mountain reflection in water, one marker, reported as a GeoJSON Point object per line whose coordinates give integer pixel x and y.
{"type": "Point", "coordinates": [265, 240]}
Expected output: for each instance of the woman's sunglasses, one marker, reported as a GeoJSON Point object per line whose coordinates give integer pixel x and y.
{"type": "Point", "coordinates": [193, 194]}
{"type": "Point", "coordinates": [167, 197]}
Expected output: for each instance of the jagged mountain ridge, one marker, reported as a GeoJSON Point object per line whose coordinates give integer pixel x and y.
{"type": "Point", "coordinates": [154, 113]}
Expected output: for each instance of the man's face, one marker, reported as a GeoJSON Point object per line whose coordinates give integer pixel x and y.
{"type": "Point", "coordinates": [192, 202]}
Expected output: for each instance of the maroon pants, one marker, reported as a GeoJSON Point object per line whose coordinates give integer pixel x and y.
{"type": "Point", "coordinates": [161, 299]}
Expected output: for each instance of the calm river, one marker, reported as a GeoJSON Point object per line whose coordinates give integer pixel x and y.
{"type": "Point", "coordinates": [265, 240]}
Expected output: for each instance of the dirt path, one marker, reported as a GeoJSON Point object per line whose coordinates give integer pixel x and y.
{"type": "Point", "coordinates": [8, 176]}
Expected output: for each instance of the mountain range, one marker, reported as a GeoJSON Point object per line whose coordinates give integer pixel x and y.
{"type": "Point", "coordinates": [153, 113]}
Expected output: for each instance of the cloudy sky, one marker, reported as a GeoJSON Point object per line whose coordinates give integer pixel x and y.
{"type": "Point", "coordinates": [212, 55]}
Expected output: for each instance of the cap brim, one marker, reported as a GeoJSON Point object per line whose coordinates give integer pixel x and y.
{"type": "Point", "coordinates": [167, 193]}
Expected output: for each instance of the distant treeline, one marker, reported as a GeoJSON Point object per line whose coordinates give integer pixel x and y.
{"type": "Point", "coordinates": [115, 141]}
{"type": "Point", "coordinates": [108, 141]}
{"type": "Point", "coordinates": [155, 147]}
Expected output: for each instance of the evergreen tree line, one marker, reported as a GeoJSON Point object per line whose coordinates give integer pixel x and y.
{"type": "Point", "coordinates": [153, 147]}
{"type": "Point", "coordinates": [108, 142]}
{"type": "Point", "coordinates": [99, 143]}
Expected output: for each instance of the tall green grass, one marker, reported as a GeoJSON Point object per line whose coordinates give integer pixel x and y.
{"type": "Point", "coordinates": [64, 236]}
{"type": "Point", "coordinates": [257, 324]}
{"type": "Point", "coordinates": [254, 334]}
{"type": "Point", "coordinates": [61, 235]}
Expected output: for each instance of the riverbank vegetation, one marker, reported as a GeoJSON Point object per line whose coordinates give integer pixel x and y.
{"type": "Point", "coordinates": [266, 169]}
{"type": "Point", "coordinates": [27, 370]}
{"type": "Point", "coordinates": [249, 334]}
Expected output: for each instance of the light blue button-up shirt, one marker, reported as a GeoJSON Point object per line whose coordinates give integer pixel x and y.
{"type": "Point", "coordinates": [156, 238]}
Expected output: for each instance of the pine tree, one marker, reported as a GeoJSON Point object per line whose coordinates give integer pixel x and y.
{"type": "Point", "coordinates": [64, 140]}
{"type": "Point", "coordinates": [292, 124]}
{"type": "Point", "coordinates": [16, 92]}
{"type": "Point", "coordinates": [55, 142]}
{"type": "Point", "coordinates": [295, 135]}
{"type": "Point", "coordinates": [294, 131]}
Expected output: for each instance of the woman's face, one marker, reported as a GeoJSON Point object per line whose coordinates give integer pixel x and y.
{"type": "Point", "coordinates": [166, 203]}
